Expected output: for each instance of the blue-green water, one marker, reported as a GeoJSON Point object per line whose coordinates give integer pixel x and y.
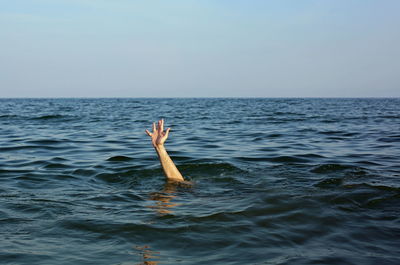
{"type": "Point", "coordinates": [276, 181]}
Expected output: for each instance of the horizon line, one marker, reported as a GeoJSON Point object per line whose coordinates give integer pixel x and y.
{"type": "Point", "coordinates": [205, 97]}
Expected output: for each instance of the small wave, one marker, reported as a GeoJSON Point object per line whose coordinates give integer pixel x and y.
{"type": "Point", "coordinates": [357, 173]}
{"type": "Point", "coordinates": [276, 120]}
{"type": "Point", "coordinates": [114, 198]}
{"type": "Point", "coordinates": [26, 178]}
{"type": "Point", "coordinates": [11, 257]}
{"type": "Point", "coordinates": [328, 168]}
{"type": "Point", "coordinates": [252, 159]}
{"type": "Point", "coordinates": [48, 117]}
{"type": "Point", "coordinates": [209, 169]}
{"type": "Point", "coordinates": [215, 217]}
{"type": "Point", "coordinates": [119, 158]}
{"type": "Point", "coordinates": [365, 195]}
{"type": "Point", "coordinates": [327, 183]}
{"type": "Point", "coordinates": [181, 158]}
{"type": "Point", "coordinates": [377, 187]}
{"type": "Point", "coordinates": [281, 113]}
{"type": "Point", "coordinates": [13, 171]}
{"type": "Point", "coordinates": [377, 201]}
{"type": "Point", "coordinates": [276, 159]}
{"type": "Point", "coordinates": [349, 134]}
{"type": "Point", "coordinates": [390, 139]}
{"type": "Point", "coordinates": [274, 135]}
{"type": "Point", "coordinates": [358, 188]}
{"type": "Point", "coordinates": [111, 177]}
{"type": "Point", "coordinates": [260, 137]}
{"type": "Point", "coordinates": [58, 159]}
{"type": "Point", "coordinates": [330, 121]}
{"type": "Point", "coordinates": [195, 139]}
{"type": "Point", "coordinates": [84, 172]}
{"type": "Point", "coordinates": [128, 175]}
{"type": "Point", "coordinates": [64, 177]}
{"type": "Point", "coordinates": [5, 116]}
{"type": "Point", "coordinates": [365, 162]}
{"type": "Point", "coordinates": [390, 116]}
{"type": "Point", "coordinates": [311, 155]}
{"type": "Point", "coordinates": [331, 132]}
{"type": "Point", "coordinates": [56, 166]}
{"type": "Point", "coordinates": [210, 146]}
{"type": "Point", "coordinates": [288, 159]}
{"type": "Point", "coordinates": [45, 142]}
{"type": "Point", "coordinates": [122, 229]}
{"type": "Point", "coordinates": [22, 147]}
{"type": "Point", "coordinates": [18, 164]}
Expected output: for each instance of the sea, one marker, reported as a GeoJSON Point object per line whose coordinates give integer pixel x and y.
{"type": "Point", "coordinates": [272, 181]}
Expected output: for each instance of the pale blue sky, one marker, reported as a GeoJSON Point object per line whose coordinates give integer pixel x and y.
{"type": "Point", "coordinates": [199, 48]}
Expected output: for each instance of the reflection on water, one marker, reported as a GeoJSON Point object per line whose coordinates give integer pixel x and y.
{"type": "Point", "coordinates": [163, 204]}
{"type": "Point", "coordinates": [164, 199]}
{"type": "Point", "coordinates": [149, 257]}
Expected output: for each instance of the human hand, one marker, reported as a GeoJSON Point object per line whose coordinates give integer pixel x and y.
{"type": "Point", "coordinates": [158, 136]}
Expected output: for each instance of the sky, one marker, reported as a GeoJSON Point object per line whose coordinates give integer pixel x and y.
{"type": "Point", "coordinates": [199, 48]}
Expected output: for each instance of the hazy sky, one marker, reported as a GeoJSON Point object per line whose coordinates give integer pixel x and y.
{"type": "Point", "coordinates": [199, 48]}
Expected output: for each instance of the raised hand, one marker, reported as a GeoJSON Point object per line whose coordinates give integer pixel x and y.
{"type": "Point", "coordinates": [158, 136]}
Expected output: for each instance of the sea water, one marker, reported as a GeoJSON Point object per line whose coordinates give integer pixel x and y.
{"type": "Point", "coordinates": [275, 181]}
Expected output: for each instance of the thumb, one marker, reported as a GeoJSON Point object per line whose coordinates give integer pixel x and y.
{"type": "Point", "coordinates": [167, 132]}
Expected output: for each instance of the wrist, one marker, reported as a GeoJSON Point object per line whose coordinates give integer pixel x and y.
{"type": "Point", "coordinates": [159, 147]}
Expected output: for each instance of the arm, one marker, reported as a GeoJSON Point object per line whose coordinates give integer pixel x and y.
{"type": "Point", "coordinates": [158, 138]}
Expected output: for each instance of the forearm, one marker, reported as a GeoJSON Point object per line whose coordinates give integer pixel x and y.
{"type": "Point", "coordinates": [169, 168]}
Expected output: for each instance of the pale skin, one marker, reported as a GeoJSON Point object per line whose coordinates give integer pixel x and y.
{"type": "Point", "coordinates": [158, 138]}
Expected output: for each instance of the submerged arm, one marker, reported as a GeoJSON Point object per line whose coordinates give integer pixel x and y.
{"type": "Point", "coordinates": [158, 138]}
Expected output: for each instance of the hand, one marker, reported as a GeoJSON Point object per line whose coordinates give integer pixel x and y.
{"type": "Point", "coordinates": [158, 136]}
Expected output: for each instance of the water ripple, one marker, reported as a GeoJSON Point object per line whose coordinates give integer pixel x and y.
{"type": "Point", "coordinates": [274, 181]}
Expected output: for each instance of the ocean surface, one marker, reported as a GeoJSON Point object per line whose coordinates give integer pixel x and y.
{"type": "Point", "coordinates": [274, 181]}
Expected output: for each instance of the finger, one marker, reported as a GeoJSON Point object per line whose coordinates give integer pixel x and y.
{"type": "Point", "coordinates": [148, 133]}
{"type": "Point", "coordinates": [162, 125]}
{"type": "Point", "coordinates": [159, 126]}
{"type": "Point", "coordinates": [154, 126]}
{"type": "Point", "coordinates": [167, 132]}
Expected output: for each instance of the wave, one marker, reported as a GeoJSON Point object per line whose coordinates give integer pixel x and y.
{"type": "Point", "coordinates": [112, 177]}
{"type": "Point", "coordinates": [210, 168]}
{"type": "Point", "coordinates": [365, 162]}
{"type": "Point", "coordinates": [311, 155]}
{"type": "Point", "coordinates": [357, 196]}
{"type": "Point", "coordinates": [41, 117]}
{"type": "Point", "coordinates": [358, 180]}
{"type": "Point", "coordinates": [328, 168]}
{"type": "Point", "coordinates": [56, 166]}
{"type": "Point", "coordinates": [326, 183]}
{"type": "Point", "coordinates": [23, 147]}
{"type": "Point", "coordinates": [84, 172]}
{"type": "Point", "coordinates": [10, 171]}
{"type": "Point", "coordinates": [288, 159]}
{"type": "Point", "coordinates": [274, 135]}
{"type": "Point", "coordinates": [119, 159]}
{"type": "Point", "coordinates": [6, 116]}
{"type": "Point", "coordinates": [220, 172]}
{"type": "Point", "coordinates": [276, 159]}
{"type": "Point", "coordinates": [389, 139]}
{"type": "Point", "coordinates": [128, 175]}
{"type": "Point", "coordinates": [373, 186]}
{"type": "Point", "coordinates": [49, 117]}
{"type": "Point", "coordinates": [122, 229]}
{"type": "Point", "coordinates": [46, 142]}
{"type": "Point", "coordinates": [339, 133]}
